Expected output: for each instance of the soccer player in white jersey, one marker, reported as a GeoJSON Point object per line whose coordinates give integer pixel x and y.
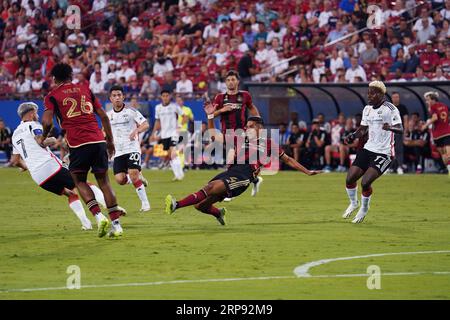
{"type": "Point", "coordinates": [126, 124]}
{"type": "Point", "coordinates": [45, 168]}
{"type": "Point", "coordinates": [382, 120]}
{"type": "Point", "coordinates": [166, 114]}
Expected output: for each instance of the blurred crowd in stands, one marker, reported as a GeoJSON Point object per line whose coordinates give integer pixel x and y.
{"type": "Point", "coordinates": [187, 46]}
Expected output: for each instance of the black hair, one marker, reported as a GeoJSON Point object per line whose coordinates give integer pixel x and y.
{"type": "Point", "coordinates": [165, 91]}
{"type": "Point", "coordinates": [232, 73]}
{"type": "Point", "coordinates": [256, 119]}
{"type": "Point", "coordinates": [116, 87]}
{"type": "Point", "coordinates": [62, 72]}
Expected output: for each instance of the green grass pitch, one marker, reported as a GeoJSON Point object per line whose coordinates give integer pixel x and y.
{"type": "Point", "coordinates": [294, 220]}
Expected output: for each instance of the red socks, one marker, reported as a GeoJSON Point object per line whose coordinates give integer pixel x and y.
{"type": "Point", "coordinates": [137, 184]}
{"type": "Point", "coordinates": [73, 198]}
{"type": "Point", "coordinates": [93, 207]}
{"type": "Point", "coordinates": [192, 199]}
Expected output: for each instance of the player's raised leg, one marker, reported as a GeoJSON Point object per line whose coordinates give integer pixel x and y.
{"type": "Point", "coordinates": [351, 186]}
{"type": "Point", "coordinates": [366, 184]}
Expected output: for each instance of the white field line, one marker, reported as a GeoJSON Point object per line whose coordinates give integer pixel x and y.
{"type": "Point", "coordinates": [302, 270]}
{"type": "Point", "coordinates": [304, 267]}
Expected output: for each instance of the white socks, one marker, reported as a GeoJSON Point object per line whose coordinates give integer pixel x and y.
{"type": "Point", "coordinates": [365, 201]}
{"type": "Point", "coordinates": [98, 195]}
{"type": "Point", "coordinates": [129, 179]}
{"type": "Point", "coordinates": [353, 195]}
{"type": "Point", "coordinates": [77, 208]}
{"type": "Point", "coordinates": [176, 167]}
{"type": "Point", "coordinates": [142, 194]}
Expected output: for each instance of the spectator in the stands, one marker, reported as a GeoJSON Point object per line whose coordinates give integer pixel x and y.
{"type": "Point", "coordinates": [420, 76]}
{"type": "Point", "coordinates": [125, 71]}
{"type": "Point", "coordinates": [429, 59]}
{"type": "Point", "coordinates": [439, 76]}
{"type": "Point", "coordinates": [336, 33]}
{"type": "Point", "coordinates": [413, 61]}
{"type": "Point", "coordinates": [369, 55]}
{"type": "Point", "coordinates": [211, 30]}
{"type": "Point", "coordinates": [295, 120]}
{"type": "Point", "coordinates": [5, 140]}
{"type": "Point", "coordinates": [325, 14]}
{"type": "Point", "coordinates": [109, 84]}
{"type": "Point", "coordinates": [97, 86]}
{"type": "Point", "coordinates": [23, 86]}
{"type": "Point", "coordinates": [129, 46]}
{"type": "Point", "coordinates": [162, 65]}
{"type": "Point", "coordinates": [399, 62]}
{"type": "Point", "coordinates": [296, 141]}
{"type": "Point", "coordinates": [340, 76]}
{"type": "Point", "coordinates": [283, 136]}
{"type": "Point", "coordinates": [315, 145]}
{"type": "Point", "coordinates": [135, 30]}
{"type": "Point", "coordinates": [355, 71]}
{"type": "Point", "coordinates": [184, 86]}
{"type": "Point", "coordinates": [169, 83]}
{"type": "Point", "coordinates": [335, 62]}
{"type": "Point", "coordinates": [445, 61]}
{"type": "Point", "coordinates": [318, 70]}
{"type": "Point", "coordinates": [302, 75]}
{"type": "Point", "coordinates": [150, 88]}
{"type": "Point", "coordinates": [427, 32]}
{"type": "Point", "coordinates": [39, 84]}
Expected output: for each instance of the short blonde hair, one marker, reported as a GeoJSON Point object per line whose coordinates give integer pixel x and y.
{"type": "Point", "coordinates": [378, 84]}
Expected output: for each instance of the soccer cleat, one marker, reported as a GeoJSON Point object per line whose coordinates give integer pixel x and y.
{"type": "Point", "coordinates": [115, 234]}
{"type": "Point", "coordinates": [221, 216]}
{"type": "Point", "coordinates": [144, 181]}
{"type": "Point", "coordinates": [87, 225]}
{"type": "Point", "coordinates": [171, 204]}
{"type": "Point", "coordinates": [227, 199]}
{"type": "Point", "coordinates": [102, 226]}
{"type": "Point", "coordinates": [361, 215]}
{"type": "Point", "coordinates": [256, 186]}
{"type": "Point", "coordinates": [327, 169]}
{"type": "Point", "coordinates": [124, 212]}
{"type": "Point", "coordinates": [348, 212]}
{"type": "Point", "coordinates": [145, 207]}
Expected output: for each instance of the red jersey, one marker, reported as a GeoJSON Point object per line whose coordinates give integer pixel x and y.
{"type": "Point", "coordinates": [237, 118]}
{"type": "Point", "coordinates": [441, 127]}
{"type": "Point", "coordinates": [73, 105]}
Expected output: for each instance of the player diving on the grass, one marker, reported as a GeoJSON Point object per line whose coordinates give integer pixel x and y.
{"type": "Point", "coordinates": [236, 179]}
{"type": "Point", "coordinates": [381, 119]}
{"type": "Point", "coordinates": [45, 168]}
{"type": "Point", "coordinates": [126, 124]}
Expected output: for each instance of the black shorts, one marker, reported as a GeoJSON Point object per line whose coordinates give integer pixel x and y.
{"type": "Point", "coordinates": [127, 161]}
{"type": "Point", "coordinates": [169, 142]}
{"type": "Point", "coordinates": [442, 142]}
{"type": "Point", "coordinates": [237, 179]}
{"type": "Point", "coordinates": [94, 156]}
{"type": "Point", "coordinates": [56, 184]}
{"type": "Point", "coordinates": [366, 159]}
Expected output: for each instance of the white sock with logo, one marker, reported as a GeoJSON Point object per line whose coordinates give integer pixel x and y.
{"type": "Point", "coordinates": [142, 194]}
{"type": "Point", "coordinates": [352, 195]}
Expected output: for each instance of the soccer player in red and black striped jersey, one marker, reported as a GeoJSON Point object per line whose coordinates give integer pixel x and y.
{"type": "Point", "coordinates": [441, 127]}
{"type": "Point", "coordinates": [238, 176]}
{"type": "Point", "coordinates": [75, 107]}
{"type": "Point", "coordinates": [234, 107]}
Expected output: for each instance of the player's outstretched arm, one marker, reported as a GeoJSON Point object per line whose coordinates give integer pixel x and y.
{"type": "Point", "coordinates": [139, 129]}
{"type": "Point", "coordinates": [431, 120]}
{"type": "Point", "coordinates": [297, 166]}
{"type": "Point", "coordinates": [253, 110]}
{"type": "Point", "coordinates": [47, 125]}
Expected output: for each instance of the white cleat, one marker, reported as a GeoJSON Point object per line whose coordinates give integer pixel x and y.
{"type": "Point", "coordinates": [145, 207]}
{"type": "Point", "coordinates": [87, 225]}
{"type": "Point", "coordinates": [256, 186]}
{"type": "Point", "coordinates": [361, 215]}
{"type": "Point", "coordinates": [348, 212]}
{"type": "Point", "coordinates": [227, 199]}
